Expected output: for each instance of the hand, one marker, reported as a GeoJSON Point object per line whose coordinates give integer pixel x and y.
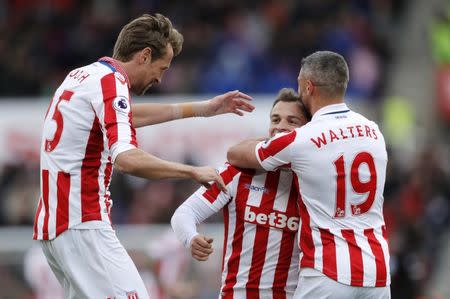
{"type": "Point", "coordinates": [201, 247]}
{"type": "Point", "coordinates": [206, 175]}
{"type": "Point", "coordinates": [230, 102]}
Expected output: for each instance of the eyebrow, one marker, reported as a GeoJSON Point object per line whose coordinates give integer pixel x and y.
{"type": "Point", "coordinates": [289, 116]}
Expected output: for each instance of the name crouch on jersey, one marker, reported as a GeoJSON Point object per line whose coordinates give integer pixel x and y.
{"type": "Point", "coordinates": [79, 75]}
{"type": "Point", "coordinates": [356, 131]}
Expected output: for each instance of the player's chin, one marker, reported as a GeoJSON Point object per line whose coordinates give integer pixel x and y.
{"type": "Point", "coordinates": [144, 90]}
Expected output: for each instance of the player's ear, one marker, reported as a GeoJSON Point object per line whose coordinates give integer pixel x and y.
{"type": "Point", "coordinates": [309, 87]}
{"type": "Point", "coordinates": [145, 55]}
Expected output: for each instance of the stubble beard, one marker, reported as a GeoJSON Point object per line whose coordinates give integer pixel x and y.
{"type": "Point", "coordinates": [305, 107]}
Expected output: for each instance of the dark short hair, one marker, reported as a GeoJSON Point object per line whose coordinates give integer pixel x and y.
{"type": "Point", "coordinates": [289, 95]}
{"type": "Point", "coordinates": [153, 31]}
{"type": "Point", "coordinates": [328, 71]}
{"type": "Point", "coordinates": [286, 95]}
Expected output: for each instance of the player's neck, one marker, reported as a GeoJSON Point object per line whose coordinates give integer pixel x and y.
{"type": "Point", "coordinates": [127, 68]}
{"type": "Point", "coordinates": [131, 70]}
{"type": "Point", "coordinates": [319, 103]}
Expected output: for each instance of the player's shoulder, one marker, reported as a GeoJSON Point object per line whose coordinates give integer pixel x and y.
{"type": "Point", "coordinates": [99, 70]}
{"type": "Point", "coordinates": [362, 118]}
{"type": "Point", "coordinates": [307, 130]}
{"type": "Point", "coordinates": [107, 78]}
{"type": "Point", "coordinates": [84, 75]}
{"type": "Point", "coordinates": [357, 115]}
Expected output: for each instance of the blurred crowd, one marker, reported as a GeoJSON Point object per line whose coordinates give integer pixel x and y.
{"type": "Point", "coordinates": [417, 209]}
{"type": "Point", "coordinates": [250, 45]}
{"type": "Point", "coordinates": [255, 46]}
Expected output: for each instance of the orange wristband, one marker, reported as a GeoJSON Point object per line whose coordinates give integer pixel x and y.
{"type": "Point", "coordinates": [187, 110]}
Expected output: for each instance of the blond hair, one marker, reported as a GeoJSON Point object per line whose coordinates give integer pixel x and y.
{"type": "Point", "coordinates": [153, 31]}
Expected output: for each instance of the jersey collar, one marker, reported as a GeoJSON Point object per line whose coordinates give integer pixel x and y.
{"type": "Point", "coordinates": [331, 109]}
{"type": "Point", "coordinates": [115, 67]}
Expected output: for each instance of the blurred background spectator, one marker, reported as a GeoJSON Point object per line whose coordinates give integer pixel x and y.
{"type": "Point", "coordinates": [251, 45]}
{"type": "Point", "coordinates": [255, 46]}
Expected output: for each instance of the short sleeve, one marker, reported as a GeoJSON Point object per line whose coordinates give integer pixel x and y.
{"type": "Point", "coordinates": [114, 113]}
{"type": "Point", "coordinates": [276, 152]}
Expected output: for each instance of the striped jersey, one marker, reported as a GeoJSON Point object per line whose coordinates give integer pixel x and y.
{"type": "Point", "coordinates": [339, 160]}
{"type": "Point", "coordinates": [88, 123]}
{"type": "Point", "coordinates": [261, 220]}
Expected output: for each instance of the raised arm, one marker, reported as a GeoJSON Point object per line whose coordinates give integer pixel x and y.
{"type": "Point", "coordinates": [268, 154]}
{"type": "Point", "coordinates": [153, 113]}
{"type": "Point", "coordinates": [243, 154]}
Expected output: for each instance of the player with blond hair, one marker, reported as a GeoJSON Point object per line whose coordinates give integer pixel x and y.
{"type": "Point", "coordinates": [89, 128]}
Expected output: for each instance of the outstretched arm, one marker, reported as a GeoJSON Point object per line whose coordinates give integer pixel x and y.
{"type": "Point", "coordinates": [139, 163]}
{"type": "Point", "coordinates": [153, 113]}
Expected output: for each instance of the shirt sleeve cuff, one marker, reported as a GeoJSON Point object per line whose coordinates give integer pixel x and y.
{"type": "Point", "coordinates": [120, 147]}
{"type": "Point", "coordinates": [259, 155]}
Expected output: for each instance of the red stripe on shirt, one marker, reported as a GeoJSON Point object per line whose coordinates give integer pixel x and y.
{"type": "Point", "coordinates": [62, 208]}
{"type": "Point", "coordinates": [278, 294]}
{"type": "Point", "coordinates": [227, 175]}
{"type": "Point", "coordinates": [356, 262]}
{"type": "Point", "coordinates": [45, 190]}
{"type": "Point", "coordinates": [380, 262]}
{"type": "Point", "coordinates": [130, 120]}
{"type": "Point", "coordinates": [286, 249]}
{"type": "Point", "coordinates": [240, 200]}
{"type": "Point", "coordinates": [90, 199]}
{"type": "Point", "coordinates": [109, 92]}
{"type": "Point", "coordinates": [107, 179]}
{"type": "Point", "coordinates": [328, 253]}
{"type": "Point", "coordinates": [228, 295]}
{"type": "Point", "coordinates": [276, 145]}
{"type": "Point", "coordinates": [226, 222]}
{"type": "Point", "coordinates": [306, 240]}
{"type": "Point", "coordinates": [262, 233]}
{"type": "Point", "coordinates": [36, 219]}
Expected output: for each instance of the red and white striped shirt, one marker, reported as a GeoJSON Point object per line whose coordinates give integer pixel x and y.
{"type": "Point", "coordinates": [260, 255]}
{"type": "Point", "coordinates": [339, 160]}
{"type": "Point", "coordinates": [88, 123]}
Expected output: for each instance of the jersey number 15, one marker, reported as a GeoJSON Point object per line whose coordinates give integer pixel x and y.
{"type": "Point", "coordinates": [50, 145]}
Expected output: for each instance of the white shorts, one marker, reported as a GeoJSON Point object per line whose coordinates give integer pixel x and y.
{"type": "Point", "coordinates": [261, 294]}
{"type": "Point", "coordinates": [314, 284]}
{"type": "Point", "coordinates": [91, 263]}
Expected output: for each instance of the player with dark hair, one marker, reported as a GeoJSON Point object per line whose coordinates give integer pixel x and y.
{"type": "Point", "coordinates": [339, 160]}
{"type": "Point", "coordinates": [260, 255]}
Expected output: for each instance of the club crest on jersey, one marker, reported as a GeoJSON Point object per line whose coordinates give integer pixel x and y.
{"type": "Point", "coordinates": [120, 77]}
{"type": "Point", "coordinates": [121, 104]}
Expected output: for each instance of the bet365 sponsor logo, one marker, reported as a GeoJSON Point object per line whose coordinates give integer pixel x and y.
{"type": "Point", "coordinates": [274, 219]}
